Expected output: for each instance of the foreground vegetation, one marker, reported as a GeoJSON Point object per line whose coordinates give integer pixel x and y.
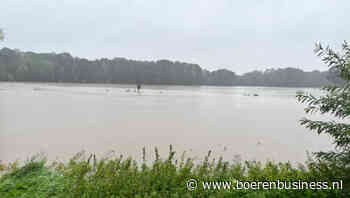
{"type": "Point", "coordinates": [335, 102]}
{"type": "Point", "coordinates": [86, 176]}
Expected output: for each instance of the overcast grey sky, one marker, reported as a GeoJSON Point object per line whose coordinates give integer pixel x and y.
{"type": "Point", "coordinates": [237, 35]}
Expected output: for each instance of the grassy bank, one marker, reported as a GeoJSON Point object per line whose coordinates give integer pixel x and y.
{"type": "Point", "coordinates": [85, 175]}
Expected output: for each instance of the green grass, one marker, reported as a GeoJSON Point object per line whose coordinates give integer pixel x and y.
{"type": "Point", "coordinates": [86, 176]}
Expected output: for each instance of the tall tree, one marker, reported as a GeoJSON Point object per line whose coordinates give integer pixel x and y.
{"type": "Point", "coordinates": [335, 102]}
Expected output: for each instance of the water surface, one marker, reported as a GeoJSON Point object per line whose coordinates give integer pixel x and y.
{"type": "Point", "coordinates": [62, 119]}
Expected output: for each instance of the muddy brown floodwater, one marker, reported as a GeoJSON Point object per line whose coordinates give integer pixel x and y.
{"type": "Point", "coordinates": [63, 119]}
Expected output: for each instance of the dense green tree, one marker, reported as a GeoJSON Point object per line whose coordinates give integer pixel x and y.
{"type": "Point", "coordinates": [335, 102]}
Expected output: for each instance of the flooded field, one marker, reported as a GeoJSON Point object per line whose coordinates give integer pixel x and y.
{"type": "Point", "coordinates": [234, 122]}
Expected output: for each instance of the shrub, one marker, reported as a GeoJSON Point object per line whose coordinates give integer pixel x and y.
{"type": "Point", "coordinates": [87, 176]}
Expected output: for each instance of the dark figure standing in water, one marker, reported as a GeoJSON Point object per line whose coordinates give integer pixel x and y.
{"type": "Point", "coordinates": [138, 87]}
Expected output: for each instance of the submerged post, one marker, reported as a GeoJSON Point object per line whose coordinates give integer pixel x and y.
{"type": "Point", "coordinates": [138, 87]}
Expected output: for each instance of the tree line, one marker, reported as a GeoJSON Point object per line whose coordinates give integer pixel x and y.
{"type": "Point", "coordinates": [52, 67]}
